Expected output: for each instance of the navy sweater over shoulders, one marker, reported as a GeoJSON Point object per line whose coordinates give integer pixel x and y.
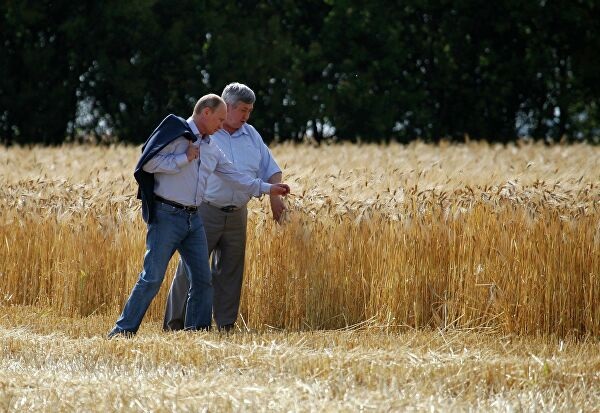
{"type": "Point", "coordinates": [169, 129]}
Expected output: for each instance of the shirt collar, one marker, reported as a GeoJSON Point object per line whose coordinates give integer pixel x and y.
{"type": "Point", "coordinates": [194, 128]}
{"type": "Point", "coordinates": [242, 130]}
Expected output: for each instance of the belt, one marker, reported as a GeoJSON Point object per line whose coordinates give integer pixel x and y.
{"type": "Point", "coordinates": [176, 204]}
{"type": "Point", "coordinates": [227, 208]}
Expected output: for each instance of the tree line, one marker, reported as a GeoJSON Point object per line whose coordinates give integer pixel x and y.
{"type": "Point", "coordinates": [328, 69]}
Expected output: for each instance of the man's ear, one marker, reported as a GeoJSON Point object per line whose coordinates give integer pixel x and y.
{"type": "Point", "coordinates": [206, 111]}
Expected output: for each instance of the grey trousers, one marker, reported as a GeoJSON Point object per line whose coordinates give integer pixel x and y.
{"type": "Point", "coordinates": [226, 240]}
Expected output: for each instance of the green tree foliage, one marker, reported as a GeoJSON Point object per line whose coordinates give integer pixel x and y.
{"type": "Point", "coordinates": [345, 69]}
{"type": "Point", "coordinates": [39, 71]}
{"type": "Point", "coordinates": [148, 60]}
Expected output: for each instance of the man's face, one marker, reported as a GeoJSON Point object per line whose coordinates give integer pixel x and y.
{"type": "Point", "coordinates": [214, 120]}
{"type": "Point", "coordinates": [238, 114]}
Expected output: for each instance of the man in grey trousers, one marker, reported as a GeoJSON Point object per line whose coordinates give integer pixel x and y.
{"type": "Point", "coordinates": [224, 213]}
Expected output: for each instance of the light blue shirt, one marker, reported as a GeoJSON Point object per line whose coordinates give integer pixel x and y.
{"type": "Point", "coordinates": [246, 149]}
{"type": "Point", "coordinates": [183, 181]}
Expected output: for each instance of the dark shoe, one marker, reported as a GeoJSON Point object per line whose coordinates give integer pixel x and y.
{"type": "Point", "coordinates": [173, 325]}
{"type": "Point", "coordinates": [226, 328]}
{"type": "Point", "coordinates": [120, 333]}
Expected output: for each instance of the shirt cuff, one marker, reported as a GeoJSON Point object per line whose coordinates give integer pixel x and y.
{"type": "Point", "coordinates": [265, 188]}
{"type": "Point", "coordinates": [181, 159]}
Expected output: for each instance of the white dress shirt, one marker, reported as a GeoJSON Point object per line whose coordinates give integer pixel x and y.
{"type": "Point", "coordinates": [249, 154]}
{"type": "Point", "coordinates": [183, 181]}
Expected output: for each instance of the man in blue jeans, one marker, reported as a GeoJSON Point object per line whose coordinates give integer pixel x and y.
{"type": "Point", "coordinates": [224, 213]}
{"type": "Point", "coordinates": [172, 179]}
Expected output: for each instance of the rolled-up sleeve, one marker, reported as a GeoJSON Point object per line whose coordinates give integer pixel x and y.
{"type": "Point", "coordinates": [268, 166]}
{"type": "Point", "coordinates": [239, 181]}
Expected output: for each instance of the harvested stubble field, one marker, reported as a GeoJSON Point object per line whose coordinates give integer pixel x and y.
{"type": "Point", "coordinates": [411, 277]}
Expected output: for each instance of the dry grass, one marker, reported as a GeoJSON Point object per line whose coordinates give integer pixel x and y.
{"type": "Point", "coordinates": [454, 277]}
{"type": "Point", "coordinates": [53, 363]}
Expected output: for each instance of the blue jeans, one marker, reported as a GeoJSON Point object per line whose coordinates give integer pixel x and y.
{"type": "Point", "coordinates": [172, 230]}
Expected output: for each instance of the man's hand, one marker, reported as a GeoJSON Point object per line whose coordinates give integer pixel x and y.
{"type": "Point", "coordinates": [279, 189]}
{"type": "Point", "coordinates": [193, 152]}
{"type": "Point", "coordinates": [277, 207]}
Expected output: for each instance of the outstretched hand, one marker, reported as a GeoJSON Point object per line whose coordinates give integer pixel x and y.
{"type": "Point", "coordinates": [279, 189]}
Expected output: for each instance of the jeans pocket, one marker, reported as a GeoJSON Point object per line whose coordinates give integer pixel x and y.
{"type": "Point", "coordinates": [167, 209]}
{"type": "Point", "coordinates": [166, 214]}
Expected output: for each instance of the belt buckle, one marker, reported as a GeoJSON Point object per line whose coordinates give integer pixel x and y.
{"type": "Point", "coordinates": [229, 208]}
{"type": "Point", "coordinates": [190, 208]}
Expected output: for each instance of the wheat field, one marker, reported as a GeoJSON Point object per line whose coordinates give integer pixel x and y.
{"type": "Point", "coordinates": [404, 277]}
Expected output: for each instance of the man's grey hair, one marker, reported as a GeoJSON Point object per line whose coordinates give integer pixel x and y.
{"type": "Point", "coordinates": [238, 92]}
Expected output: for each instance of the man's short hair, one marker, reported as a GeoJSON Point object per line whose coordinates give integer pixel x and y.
{"type": "Point", "coordinates": [238, 92]}
{"type": "Point", "coordinates": [211, 101]}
